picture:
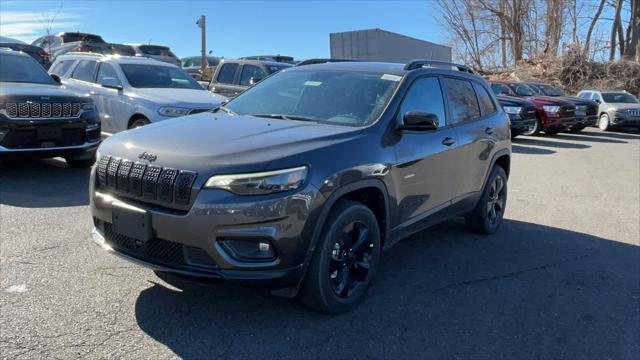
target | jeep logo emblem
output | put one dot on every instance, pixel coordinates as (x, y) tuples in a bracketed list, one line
[(146, 156)]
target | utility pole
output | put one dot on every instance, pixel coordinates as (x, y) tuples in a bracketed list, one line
[(202, 24)]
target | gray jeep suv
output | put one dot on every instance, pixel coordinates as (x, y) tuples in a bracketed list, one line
[(303, 179)]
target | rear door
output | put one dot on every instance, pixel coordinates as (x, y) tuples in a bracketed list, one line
[(478, 122), (424, 158)]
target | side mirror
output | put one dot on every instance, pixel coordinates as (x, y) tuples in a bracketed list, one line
[(56, 78), (111, 83), (254, 80), (598, 101), (419, 121)]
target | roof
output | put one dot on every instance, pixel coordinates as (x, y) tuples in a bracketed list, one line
[(151, 45), (7, 51), (264, 62), (377, 67), (391, 33), (118, 59)]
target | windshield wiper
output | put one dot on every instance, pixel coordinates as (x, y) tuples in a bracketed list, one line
[(284, 117), (225, 110)]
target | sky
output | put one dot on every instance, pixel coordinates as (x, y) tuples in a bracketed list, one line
[(234, 28)]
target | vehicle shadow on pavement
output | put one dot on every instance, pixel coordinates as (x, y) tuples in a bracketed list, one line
[(528, 291), (618, 134), (548, 143), (597, 139), (531, 150), (43, 184)]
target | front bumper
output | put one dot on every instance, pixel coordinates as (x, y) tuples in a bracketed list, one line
[(558, 123), (520, 126), (625, 121), (584, 121), (193, 243)]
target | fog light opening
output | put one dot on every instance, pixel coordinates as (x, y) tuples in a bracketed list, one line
[(249, 249)]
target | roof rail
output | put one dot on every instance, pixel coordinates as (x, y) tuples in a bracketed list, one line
[(83, 53), (415, 64), (314, 61)]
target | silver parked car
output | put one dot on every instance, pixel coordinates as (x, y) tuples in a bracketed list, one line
[(132, 91), (617, 108)]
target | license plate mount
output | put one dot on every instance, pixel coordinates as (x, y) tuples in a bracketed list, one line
[(132, 222), (49, 132)]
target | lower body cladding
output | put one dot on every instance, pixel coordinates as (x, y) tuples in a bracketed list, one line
[(262, 239), (584, 121), (44, 138)]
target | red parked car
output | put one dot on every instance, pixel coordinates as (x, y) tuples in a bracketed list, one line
[(554, 114), (586, 110)]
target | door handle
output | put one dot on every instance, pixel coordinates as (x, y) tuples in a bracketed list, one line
[(448, 141), (489, 130)]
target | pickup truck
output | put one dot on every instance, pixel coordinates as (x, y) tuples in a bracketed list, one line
[(235, 76)]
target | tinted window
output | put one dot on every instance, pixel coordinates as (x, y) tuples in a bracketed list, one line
[(338, 97), (61, 67), (158, 76), (212, 61), (23, 69), (500, 89), (85, 70), (275, 68), (487, 106), (425, 95), (227, 73), (250, 71), (106, 71), (596, 96), (156, 50), (462, 98), (550, 90), (88, 38), (624, 98), (585, 95), (522, 89)]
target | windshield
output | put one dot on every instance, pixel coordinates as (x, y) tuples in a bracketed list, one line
[(339, 97), (275, 68), (23, 69), (623, 98), (522, 90), (550, 90), (158, 76)]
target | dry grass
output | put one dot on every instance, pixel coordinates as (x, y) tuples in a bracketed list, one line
[(573, 73)]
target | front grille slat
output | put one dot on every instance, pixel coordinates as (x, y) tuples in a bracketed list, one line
[(155, 249), (150, 182), (37, 110)]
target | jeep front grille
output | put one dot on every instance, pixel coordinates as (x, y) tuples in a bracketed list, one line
[(147, 182), (34, 110), (633, 112)]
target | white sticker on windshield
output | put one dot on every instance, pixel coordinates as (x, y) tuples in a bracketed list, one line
[(312, 83), (391, 77)]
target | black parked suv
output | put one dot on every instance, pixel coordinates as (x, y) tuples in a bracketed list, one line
[(522, 114), (235, 76), (303, 179), (39, 118)]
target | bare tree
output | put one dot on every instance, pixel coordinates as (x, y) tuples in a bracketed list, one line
[(632, 51), (554, 24), (614, 29), (592, 25)]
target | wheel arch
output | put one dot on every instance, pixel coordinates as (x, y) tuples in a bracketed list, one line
[(135, 117)]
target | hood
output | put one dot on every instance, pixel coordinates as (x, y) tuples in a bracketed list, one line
[(550, 100), (621, 106), (190, 98), (577, 100), (35, 90), (208, 142), (505, 100)]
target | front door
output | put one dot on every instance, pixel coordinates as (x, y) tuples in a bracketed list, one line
[(424, 158)]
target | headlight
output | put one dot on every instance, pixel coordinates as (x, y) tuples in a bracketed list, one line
[(260, 183), (88, 106), (515, 110), (551, 108), (173, 111)]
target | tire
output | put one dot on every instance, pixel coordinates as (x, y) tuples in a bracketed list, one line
[(536, 128), (139, 123), (340, 271), (487, 215), (603, 122), (81, 163)]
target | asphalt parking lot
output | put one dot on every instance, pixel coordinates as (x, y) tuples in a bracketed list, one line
[(561, 279)]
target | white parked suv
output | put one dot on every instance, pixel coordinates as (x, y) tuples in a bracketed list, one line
[(133, 91)]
